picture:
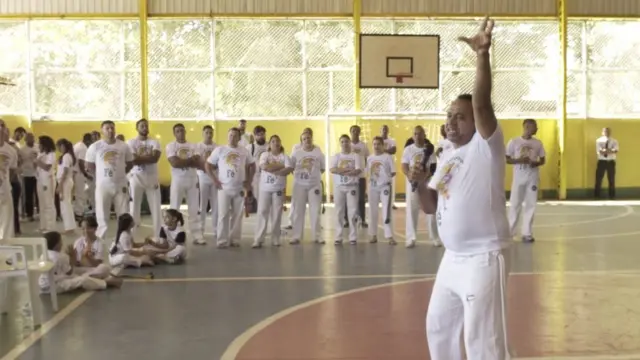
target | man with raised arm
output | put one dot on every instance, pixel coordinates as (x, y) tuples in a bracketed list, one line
[(467, 195)]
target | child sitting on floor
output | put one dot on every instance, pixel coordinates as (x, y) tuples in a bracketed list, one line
[(63, 275), (126, 252), (169, 247), (89, 251)]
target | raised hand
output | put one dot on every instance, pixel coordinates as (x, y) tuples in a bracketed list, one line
[(480, 42)]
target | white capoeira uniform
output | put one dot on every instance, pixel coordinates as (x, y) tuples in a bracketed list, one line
[(79, 180), (119, 256), (46, 193), (271, 198), (65, 282), (307, 189), (388, 144), (412, 156), (470, 289), (184, 185), (144, 180), (208, 190), (231, 163), (175, 240), (8, 162), (112, 186), (345, 194), (101, 271), (256, 151), (381, 170), (526, 179), (66, 182)]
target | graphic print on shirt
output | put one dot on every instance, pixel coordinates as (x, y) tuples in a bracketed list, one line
[(4, 168), (110, 159), (525, 152), (232, 160), (306, 167), (271, 178), (346, 164), (448, 172), (374, 172)]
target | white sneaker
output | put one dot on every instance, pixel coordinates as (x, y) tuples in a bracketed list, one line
[(410, 244), (436, 242), (200, 242)]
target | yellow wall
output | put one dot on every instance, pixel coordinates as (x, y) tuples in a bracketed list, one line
[(580, 157)]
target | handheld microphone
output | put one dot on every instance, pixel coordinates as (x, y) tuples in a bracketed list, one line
[(426, 155)]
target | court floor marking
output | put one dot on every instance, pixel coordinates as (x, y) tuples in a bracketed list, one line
[(36, 335)]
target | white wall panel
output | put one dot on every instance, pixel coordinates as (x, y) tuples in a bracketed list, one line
[(68, 7), (459, 7), (250, 7)]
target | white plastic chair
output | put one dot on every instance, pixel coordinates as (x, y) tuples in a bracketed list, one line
[(38, 263), (13, 263)]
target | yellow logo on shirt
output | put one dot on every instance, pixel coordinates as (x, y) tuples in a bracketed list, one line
[(183, 153), (448, 171), (525, 151), (232, 159), (307, 163), (375, 169), (346, 164), (144, 150), (110, 157)]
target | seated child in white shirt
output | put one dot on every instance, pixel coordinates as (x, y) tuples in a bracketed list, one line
[(170, 244), (89, 251), (126, 252), (63, 274)]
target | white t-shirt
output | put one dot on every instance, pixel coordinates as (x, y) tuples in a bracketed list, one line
[(245, 140), (519, 148), (610, 143), (61, 269), (389, 143), (256, 150), (413, 155), (82, 243), (351, 161), (381, 170), (308, 166), (123, 245), (232, 164), (80, 151), (471, 214), (110, 161), (363, 151), (8, 161), (445, 145), (28, 156), (44, 176), (268, 181), (145, 148), (205, 150), (183, 151), (173, 237), (67, 163)]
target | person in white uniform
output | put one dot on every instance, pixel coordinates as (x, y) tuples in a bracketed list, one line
[(360, 148), (346, 168), (235, 169), (8, 165), (143, 179), (255, 150), (296, 147), (184, 160), (109, 160), (28, 154), (412, 158), (81, 176), (467, 194), (607, 151), (245, 137), (169, 245), (526, 154), (45, 164), (208, 190), (381, 171), (64, 176), (390, 148), (275, 165), (309, 164), (90, 255)]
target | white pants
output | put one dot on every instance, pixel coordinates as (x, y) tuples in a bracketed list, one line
[(126, 260), (376, 196), (179, 252), (470, 294), (303, 195), (413, 213), (101, 271), (140, 185), (80, 202), (230, 213), (66, 206), (85, 282), (208, 195), (188, 189), (7, 230), (89, 193), (269, 207), (107, 195), (523, 192), (346, 200), (46, 204)]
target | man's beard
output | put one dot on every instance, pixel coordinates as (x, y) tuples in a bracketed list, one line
[(261, 142)]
